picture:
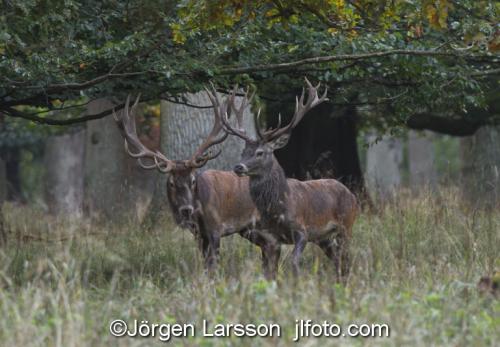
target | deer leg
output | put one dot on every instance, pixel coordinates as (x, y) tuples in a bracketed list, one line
[(271, 253), (337, 251), (300, 243), (343, 254), (273, 268), (270, 249), (204, 246), (213, 252), (329, 248), (209, 246), (203, 243)]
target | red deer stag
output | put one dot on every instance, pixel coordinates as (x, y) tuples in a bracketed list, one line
[(294, 212), (213, 204)]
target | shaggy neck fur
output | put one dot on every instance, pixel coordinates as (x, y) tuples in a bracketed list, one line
[(268, 192)]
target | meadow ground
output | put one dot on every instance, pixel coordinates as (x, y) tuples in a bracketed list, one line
[(415, 268)]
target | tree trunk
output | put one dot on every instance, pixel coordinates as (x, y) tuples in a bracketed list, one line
[(3, 197), (12, 158), (64, 157), (421, 161), (187, 128), (159, 200), (480, 156), (383, 160), (116, 187), (3, 182), (105, 166)]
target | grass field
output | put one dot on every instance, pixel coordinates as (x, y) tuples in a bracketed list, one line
[(415, 268)]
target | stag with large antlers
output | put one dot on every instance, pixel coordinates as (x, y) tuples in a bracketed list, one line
[(294, 212), (213, 204)]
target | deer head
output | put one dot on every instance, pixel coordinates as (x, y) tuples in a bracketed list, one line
[(257, 157), (181, 182)]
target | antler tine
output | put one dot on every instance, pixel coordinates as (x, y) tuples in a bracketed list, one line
[(299, 101), (301, 108), (132, 111), (129, 123), (123, 122), (228, 128), (312, 101), (256, 120), (244, 104), (203, 153), (126, 124), (270, 132)]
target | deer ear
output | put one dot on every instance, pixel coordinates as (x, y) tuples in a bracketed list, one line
[(280, 142)]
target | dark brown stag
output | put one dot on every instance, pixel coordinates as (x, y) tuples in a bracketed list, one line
[(319, 211), (212, 204)]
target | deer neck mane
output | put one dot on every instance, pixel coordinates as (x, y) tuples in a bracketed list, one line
[(268, 192)]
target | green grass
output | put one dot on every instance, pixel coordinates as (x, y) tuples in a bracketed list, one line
[(415, 268)]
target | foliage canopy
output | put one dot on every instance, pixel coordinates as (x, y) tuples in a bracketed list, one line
[(416, 58)]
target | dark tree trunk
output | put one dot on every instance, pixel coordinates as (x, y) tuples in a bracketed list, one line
[(3, 196), (3, 182), (12, 158), (324, 145)]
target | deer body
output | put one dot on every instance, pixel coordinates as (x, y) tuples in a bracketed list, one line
[(294, 212), (319, 207), (224, 207), (320, 211), (224, 202), (212, 204)]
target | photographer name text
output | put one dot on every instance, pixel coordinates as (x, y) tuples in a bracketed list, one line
[(302, 329)]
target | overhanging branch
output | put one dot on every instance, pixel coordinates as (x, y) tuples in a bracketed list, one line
[(51, 121), (444, 125), (7, 107), (485, 73), (342, 57)]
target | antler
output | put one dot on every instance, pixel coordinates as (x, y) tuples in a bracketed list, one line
[(126, 124), (204, 153), (238, 111), (301, 109)]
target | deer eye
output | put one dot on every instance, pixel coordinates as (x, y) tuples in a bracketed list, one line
[(259, 153), (193, 181), (171, 184)]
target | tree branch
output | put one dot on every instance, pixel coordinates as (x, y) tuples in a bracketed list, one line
[(51, 121), (485, 73), (75, 86), (185, 103), (54, 88), (444, 125), (340, 57)]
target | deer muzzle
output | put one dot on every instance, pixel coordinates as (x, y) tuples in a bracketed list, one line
[(186, 212), (240, 170)]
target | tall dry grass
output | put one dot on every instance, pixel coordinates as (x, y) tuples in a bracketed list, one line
[(415, 268)]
